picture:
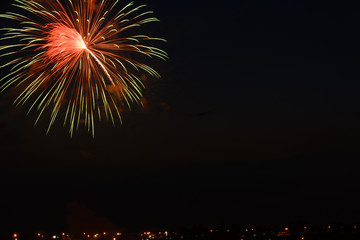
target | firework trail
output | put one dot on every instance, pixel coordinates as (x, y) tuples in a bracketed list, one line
[(71, 54)]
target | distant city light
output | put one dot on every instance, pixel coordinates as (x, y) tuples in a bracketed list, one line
[(250, 233)]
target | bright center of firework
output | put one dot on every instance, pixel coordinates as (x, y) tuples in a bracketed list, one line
[(64, 43), (83, 44)]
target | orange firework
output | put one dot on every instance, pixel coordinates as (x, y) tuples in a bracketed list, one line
[(73, 54)]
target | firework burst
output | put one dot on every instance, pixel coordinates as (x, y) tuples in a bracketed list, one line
[(71, 54)]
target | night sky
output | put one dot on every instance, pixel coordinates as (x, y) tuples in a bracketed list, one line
[(255, 120)]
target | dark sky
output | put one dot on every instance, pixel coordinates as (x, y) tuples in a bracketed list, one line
[(263, 127)]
